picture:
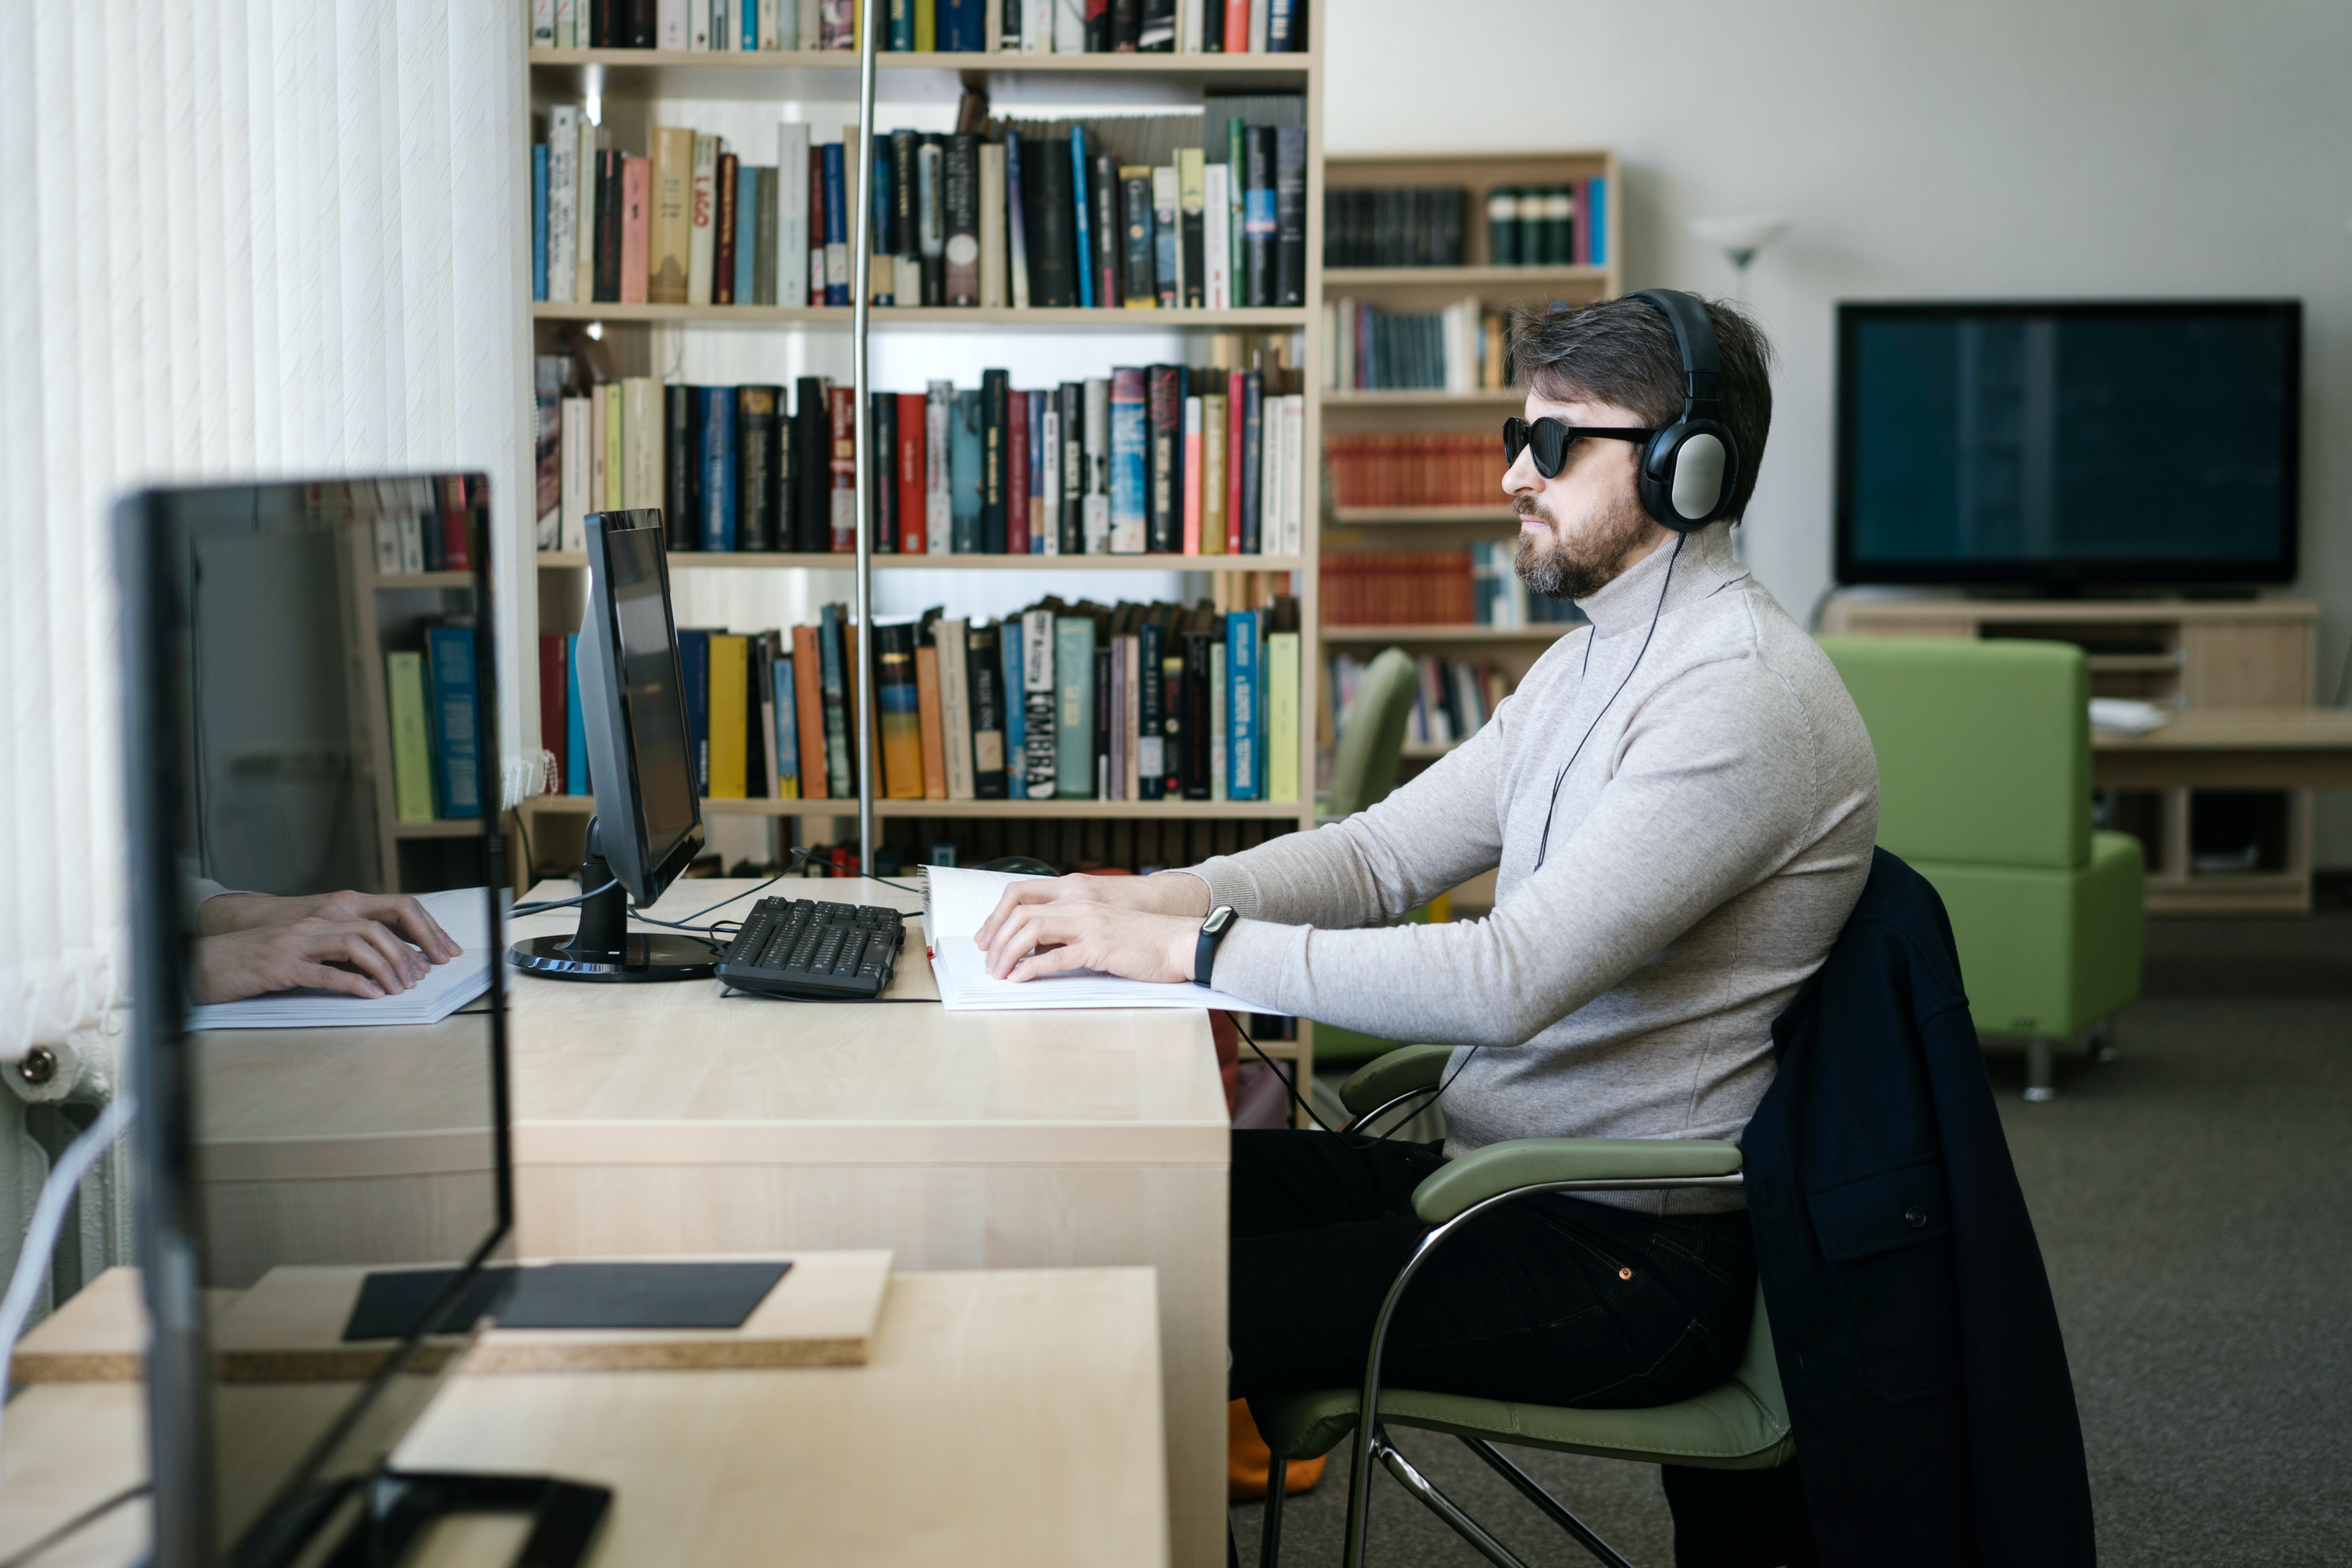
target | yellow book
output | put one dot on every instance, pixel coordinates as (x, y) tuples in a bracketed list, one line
[(411, 743), (1282, 716), (731, 719), (671, 230), (617, 446), (927, 26), (641, 433)]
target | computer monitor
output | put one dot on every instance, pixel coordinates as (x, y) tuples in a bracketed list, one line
[(309, 692), (641, 767)]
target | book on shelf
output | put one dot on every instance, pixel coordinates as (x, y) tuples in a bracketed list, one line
[(1149, 212), (957, 27), (427, 525), (1415, 471), (1548, 226), (1461, 347), (453, 700), (1452, 697), (1473, 585), (1414, 225), (412, 741)]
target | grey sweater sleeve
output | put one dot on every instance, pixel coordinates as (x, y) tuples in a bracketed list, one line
[(1710, 792)]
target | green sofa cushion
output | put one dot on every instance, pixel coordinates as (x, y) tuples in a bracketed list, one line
[(2046, 954), (1984, 747), (1741, 1425)]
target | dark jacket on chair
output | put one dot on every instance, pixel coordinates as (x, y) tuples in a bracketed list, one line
[(1927, 1381)]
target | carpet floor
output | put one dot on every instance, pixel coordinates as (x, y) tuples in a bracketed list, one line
[(2194, 1211)]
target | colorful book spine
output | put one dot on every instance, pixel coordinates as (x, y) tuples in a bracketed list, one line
[(1015, 697), (1083, 223), (1193, 475), (836, 227), (717, 444), (787, 782), (539, 213), (1242, 694), (575, 727), (1281, 740), (896, 696), (457, 734), (728, 726), (412, 737), (1073, 717), (1037, 702), (1128, 461)]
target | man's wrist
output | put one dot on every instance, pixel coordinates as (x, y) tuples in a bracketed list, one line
[(1186, 893)]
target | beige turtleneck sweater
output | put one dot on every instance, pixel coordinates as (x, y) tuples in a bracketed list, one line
[(1705, 851)]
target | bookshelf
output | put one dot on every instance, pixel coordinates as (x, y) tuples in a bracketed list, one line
[(1477, 411)]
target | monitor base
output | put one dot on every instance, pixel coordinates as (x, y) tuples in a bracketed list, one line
[(642, 957)]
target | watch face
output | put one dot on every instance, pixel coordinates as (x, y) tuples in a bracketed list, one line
[(1219, 919)]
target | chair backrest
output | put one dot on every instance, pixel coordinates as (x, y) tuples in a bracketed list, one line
[(1372, 743), (1984, 747)]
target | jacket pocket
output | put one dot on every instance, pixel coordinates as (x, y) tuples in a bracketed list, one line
[(1887, 1236)]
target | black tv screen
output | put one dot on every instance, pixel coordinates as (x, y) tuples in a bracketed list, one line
[(2068, 443)]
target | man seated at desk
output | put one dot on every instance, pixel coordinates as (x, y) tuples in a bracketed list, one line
[(360, 945), (1680, 800)]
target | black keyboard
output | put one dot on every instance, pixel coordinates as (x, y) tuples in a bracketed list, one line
[(815, 951)]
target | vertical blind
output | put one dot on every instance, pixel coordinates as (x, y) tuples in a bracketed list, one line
[(242, 237)]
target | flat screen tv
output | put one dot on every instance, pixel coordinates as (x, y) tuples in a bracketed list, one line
[(2068, 444)]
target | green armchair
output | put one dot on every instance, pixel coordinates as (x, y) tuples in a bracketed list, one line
[(1984, 787)]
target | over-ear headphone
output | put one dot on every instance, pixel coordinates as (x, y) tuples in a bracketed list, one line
[(1690, 469)]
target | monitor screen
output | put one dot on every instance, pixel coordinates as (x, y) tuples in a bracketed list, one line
[(311, 749), (656, 708), (2091, 441)]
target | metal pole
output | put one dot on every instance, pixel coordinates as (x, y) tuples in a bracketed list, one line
[(861, 268)]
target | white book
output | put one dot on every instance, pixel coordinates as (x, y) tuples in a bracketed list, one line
[(1269, 477), (542, 24), (811, 23), (641, 433), (412, 544), (669, 24), (1187, 24), (772, 26), (567, 23), (1216, 236), (1069, 26), (1294, 474), (723, 24), (387, 546), (702, 206), (938, 502), (1036, 26), (992, 265), (573, 535), (599, 412), (1050, 486), (955, 705), (1258, 11), (697, 24), (792, 214), (562, 201), (583, 216)]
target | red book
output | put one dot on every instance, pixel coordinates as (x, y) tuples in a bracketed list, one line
[(1017, 474), (552, 690), (456, 530), (913, 410), (722, 223), (637, 202), (1234, 440), (815, 227), (841, 406), (1237, 27)]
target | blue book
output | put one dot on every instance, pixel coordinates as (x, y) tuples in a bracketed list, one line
[(786, 784), (456, 745), (836, 222), (901, 37), (694, 665), (1080, 206), (750, 9), (1277, 28), (539, 221), (962, 26), (747, 227), (717, 444), (1016, 725), (575, 734), (884, 277), (963, 472), (1243, 767), (1129, 448), (1596, 225)]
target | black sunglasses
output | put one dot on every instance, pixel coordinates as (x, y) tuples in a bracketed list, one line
[(1551, 439)]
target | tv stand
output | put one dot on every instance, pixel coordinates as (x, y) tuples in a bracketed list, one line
[(2200, 654)]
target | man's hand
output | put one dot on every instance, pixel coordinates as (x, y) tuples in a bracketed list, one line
[(1161, 893), (357, 957), (1047, 936), (390, 912)]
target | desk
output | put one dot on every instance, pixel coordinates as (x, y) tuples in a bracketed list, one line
[(1004, 1418), (658, 1120)]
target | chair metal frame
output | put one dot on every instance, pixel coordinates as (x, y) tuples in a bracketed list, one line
[(1371, 1440)]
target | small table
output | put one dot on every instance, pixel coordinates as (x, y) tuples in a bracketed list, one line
[(1005, 1417), (2232, 748)]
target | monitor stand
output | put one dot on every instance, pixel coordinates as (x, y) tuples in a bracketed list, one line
[(604, 948)]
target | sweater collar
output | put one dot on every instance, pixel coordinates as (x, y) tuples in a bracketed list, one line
[(1706, 563)]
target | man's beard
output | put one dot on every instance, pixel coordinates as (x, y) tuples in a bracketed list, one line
[(1559, 570)]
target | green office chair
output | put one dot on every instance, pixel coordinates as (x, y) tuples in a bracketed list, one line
[(1984, 787), (1364, 769), (1742, 1425)]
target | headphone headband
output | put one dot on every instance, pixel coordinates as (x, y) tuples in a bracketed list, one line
[(1695, 337)]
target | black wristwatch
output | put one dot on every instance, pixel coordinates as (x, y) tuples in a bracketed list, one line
[(1212, 932)]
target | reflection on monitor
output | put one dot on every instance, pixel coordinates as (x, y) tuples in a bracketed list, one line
[(310, 745)]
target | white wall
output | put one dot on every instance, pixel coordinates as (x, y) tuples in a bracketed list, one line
[(1999, 147)]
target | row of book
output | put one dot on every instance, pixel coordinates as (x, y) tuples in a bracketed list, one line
[(1058, 702), (1049, 214), (1475, 584), (1160, 459), (1460, 348), (1452, 700), (961, 27), (431, 701), (1412, 225), (425, 524), (1550, 225), (1450, 469)]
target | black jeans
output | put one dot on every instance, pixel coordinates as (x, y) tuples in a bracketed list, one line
[(1549, 1299)]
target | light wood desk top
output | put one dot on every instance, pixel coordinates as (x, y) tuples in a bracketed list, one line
[(2225, 748), (1006, 1417), (671, 1072)]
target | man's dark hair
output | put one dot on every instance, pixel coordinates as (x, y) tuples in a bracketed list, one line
[(1623, 352)]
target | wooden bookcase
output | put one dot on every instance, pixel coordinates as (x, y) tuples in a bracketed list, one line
[(2253, 654), (634, 88), (1348, 412)]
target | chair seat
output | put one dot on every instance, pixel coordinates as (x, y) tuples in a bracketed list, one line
[(1740, 1424)]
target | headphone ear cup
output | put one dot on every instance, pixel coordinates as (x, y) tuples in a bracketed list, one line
[(1687, 474)]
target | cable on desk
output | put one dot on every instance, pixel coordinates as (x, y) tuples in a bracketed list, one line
[(546, 904), (77, 1523)]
